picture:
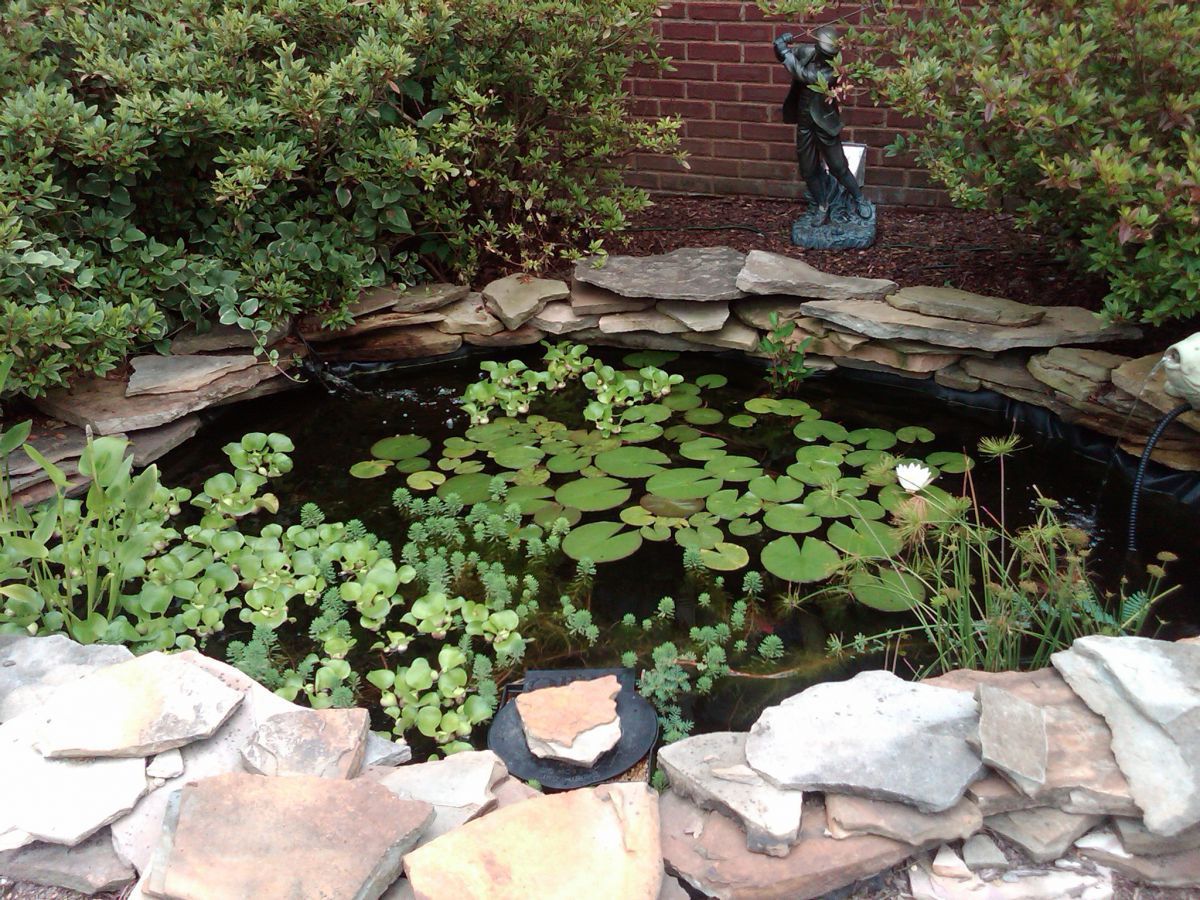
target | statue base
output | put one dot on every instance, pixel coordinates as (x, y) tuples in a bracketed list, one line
[(844, 228)]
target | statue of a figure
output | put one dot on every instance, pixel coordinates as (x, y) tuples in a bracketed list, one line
[(838, 215)]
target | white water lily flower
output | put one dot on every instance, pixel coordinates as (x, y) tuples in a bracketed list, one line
[(914, 476)]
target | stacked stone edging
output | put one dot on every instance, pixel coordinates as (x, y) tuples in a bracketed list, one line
[(690, 300)]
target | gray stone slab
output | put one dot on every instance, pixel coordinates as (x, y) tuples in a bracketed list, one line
[(1171, 870), (981, 852), (1149, 694), (383, 752), (711, 770), (152, 444), (517, 337), (1135, 379), (733, 335), (89, 867), (872, 736), (858, 815), (1136, 838), (32, 668), (314, 333), (637, 340), (1012, 737), (560, 317), (469, 316), (460, 787), (324, 743), (515, 299), (772, 273), (646, 320), (426, 297), (700, 274), (415, 342), (952, 303), (589, 300), (1061, 325), (710, 316), (56, 441), (1044, 833), (221, 337), (157, 374), (1023, 885)]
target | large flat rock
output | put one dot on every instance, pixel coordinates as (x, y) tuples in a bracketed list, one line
[(952, 303), (1012, 737), (595, 842), (560, 317), (772, 273), (89, 867), (576, 723), (849, 816), (426, 297), (219, 337), (646, 320), (637, 340), (1137, 838), (515, 299), (708, 851), (181, 374), (1174, 870), (709, 316), (1135, 379), (518, 337), (314, 333), (711, 770), (733, 335), (873, 736), (469, 316), (102, 404), (1044, 833), (1061, 325), (460, 787), (32, 668), (1082, 775), (1025, 885), (1149, 694), (152, 444), (589, 300), (137, 708), (325, 743), (700, 274), (415, 342), (241, 835)]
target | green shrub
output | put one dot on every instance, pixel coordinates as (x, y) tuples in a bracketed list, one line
[(192, 160), (1080, 115)]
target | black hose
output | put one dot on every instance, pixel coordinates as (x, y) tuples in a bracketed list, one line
[(1141, 469)]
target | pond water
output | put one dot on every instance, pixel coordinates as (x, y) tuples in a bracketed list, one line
[(332, 434)]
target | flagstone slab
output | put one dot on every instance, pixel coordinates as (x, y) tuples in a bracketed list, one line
[(1026, 885), (32, 668), (156, 374), (469, 316), (710, 316), (102, 404), (1174, 870), (168, 764), (981, 852), (1012, 737), (415, 342), (589, 300), (460, 787), (849, 816), (89, 867), (381, 751), (152, 444), (646, 320), (325, 743), (1061, 325), (1044, 833), (575, 723), (222, 337), (1135, 379), (1136, 838), (636, 340), (711, 770), (517, 337), (876, 736), (137, 708), (773, 273), (733, 335), (315, 333), (56, 441), (1082, 775), (757, 311), (595, 842), (560, 317), (708, 851), (242, 835), (515, 299), (427, 297), (700, 274), (953, 303)]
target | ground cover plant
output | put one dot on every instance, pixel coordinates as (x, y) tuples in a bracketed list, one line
[(170, 162), (1078, 116)]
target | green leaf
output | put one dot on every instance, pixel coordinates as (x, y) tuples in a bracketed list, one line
[(601, 542), (741, 420), (890, 591), (518, 457), (783, 489), (703, 415), (470, 489), (425, 481), (632, 462), (725, 557), (911, 434), (370, 468), (872, 438), (950, 462), (814, 561), (732, 504), (593, 494), (13, 438), (400, 446), (733, 468), (702, 448), (792, 518), (815, 429), (547, 515), (744, 527), (865, 540), (683, 484)]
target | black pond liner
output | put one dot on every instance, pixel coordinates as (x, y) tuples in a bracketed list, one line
[(639, 732)]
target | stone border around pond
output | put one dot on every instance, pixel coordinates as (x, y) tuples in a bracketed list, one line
[(703, 299), (177, 771)]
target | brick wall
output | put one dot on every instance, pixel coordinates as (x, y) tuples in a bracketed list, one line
[(728, 88)]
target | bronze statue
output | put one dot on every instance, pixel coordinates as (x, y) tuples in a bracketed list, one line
[(838, 215)]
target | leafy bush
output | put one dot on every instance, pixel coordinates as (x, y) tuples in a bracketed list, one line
[(1080, 116), (201, 160)]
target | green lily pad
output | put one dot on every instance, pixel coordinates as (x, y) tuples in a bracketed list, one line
[(497, 428), (890, 591), (702, 448), (637, 516), (426, 480), (837, 506), (872, 438), (744, 527), (671, 507), (370, 468), (547, 515), (814, 475), (702, 538), (761, 405), (783, 489), (704, 517), (680, 401), (792, 518), (734, 468), (644, 358), (413, 464), (815, 560), (865, 540), (641, 433), (650, 413), (732, 504), (793, 408), (535, 475), (659, 531), (601, 542), (725, 557), (815, 429), (683, 484), (864, 458), (912, 434), (712, 381), (820, 454), (471, 489), (741, 420), (400, 446), (529, 497), (703, 415), (564, 463), (520, 456), (632, 462), (950, 462), (852, 487), (458, 447), (681, 434), (593, 494)]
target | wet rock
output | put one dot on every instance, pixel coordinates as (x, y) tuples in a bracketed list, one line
[(873, 736), (1049, 885), (1073, 371), (1137, 838), (560, 317), (469, 316), (881, 353), (151, 444), (733, 335), (1045, 833), (89, 867), (222, 337), (1012, 737), (240, 835), (708, 851), (711, 770), (646, 320), (518, 337), (417, 342), (701, 274), (589, 300), (1061, 325), (1135, 379), (56, 441), (135, 708), (981, 852), (516, 299), (426, 297), (1149, 694), (315, 333), (636, 340), (952, 303), (178, 374), (771, 273), (709, 316), (956, 378), (595, 842), (102, 404), (1179, 870), (326, 743), (460, 787), (857, 815), (32, 668), (575, 723), (381, 751)]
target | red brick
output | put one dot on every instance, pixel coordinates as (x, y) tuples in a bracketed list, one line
[(785, 150), (725, 12), (728, 130), (696, 146), (739, 150), (752, 131), (764, 93), (863, 116), (652, 162), (883, 175), (691, 71), (647, 180), (904, 123), (673, 11), (745, 32), (742, 112), (644, 107), (760, 52), (673, 49), (779, 75), (749, 168), (711, 90), (711, 166), (689, 31), (686, 109), (657, 87), (686, 184), (727, 52), (752, 73)]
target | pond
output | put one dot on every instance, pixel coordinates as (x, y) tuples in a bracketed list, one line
[(725, 440)]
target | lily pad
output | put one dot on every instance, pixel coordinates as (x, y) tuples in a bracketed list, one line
[(816, 429), (426, 480), (645, 358), (744, 527), (564, 463), (370, 468), (671, 507), (703, 448), (529, 497), (734, 468), (413, 464), (632, 462), (593, 494), (872, 438), (547, 515), (725, 557), (865, 540), (400, 446), (890, 591), (864, 458), (683, 484), (535, 475), (712, 381), (814, 475), (637, 516), (792, 518), (783, 489), (741, 420), (761, 405), (702, 538), (601, 542), (471, 489), (791, 407), (518, 457), (815, 560), (641, 433), (680, 401), (820, 454), (458, 448), (681, 434), (732, 504), (659, 531), (912, 434), (950, 461), (650, 413), (703, 415)]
